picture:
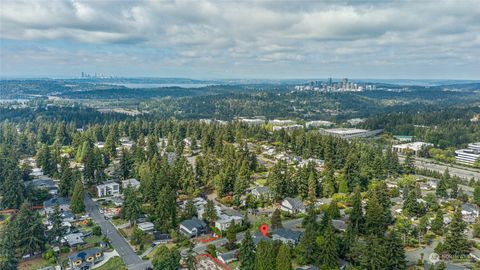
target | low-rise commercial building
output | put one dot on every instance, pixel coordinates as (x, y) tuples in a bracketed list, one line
[(414, 147), (469, 155), (350, 133)]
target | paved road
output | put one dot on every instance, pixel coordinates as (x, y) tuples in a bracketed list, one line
[(130, 258), (455, 170)]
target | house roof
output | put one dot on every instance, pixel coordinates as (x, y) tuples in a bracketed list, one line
[(56, 201), (67, 215), (339, 224), (132, 181), (42, 183), (145, 225), (295, 203), (227, 256), (469, 207), (107, 183), (257, 237), (74, 238), (161, 236), (193, 223), (288, 234), (83, 254), (261, 190)]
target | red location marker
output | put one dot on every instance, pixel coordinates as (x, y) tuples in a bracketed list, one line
[(264, 229)]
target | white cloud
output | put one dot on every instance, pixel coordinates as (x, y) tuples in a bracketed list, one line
[(208, 33)]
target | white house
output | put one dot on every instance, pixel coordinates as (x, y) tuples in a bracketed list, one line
[(146, 226), (108, 188), (131, 182), (224, 221), (292, 206)]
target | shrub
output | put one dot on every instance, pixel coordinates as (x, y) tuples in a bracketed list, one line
[(97, 230)]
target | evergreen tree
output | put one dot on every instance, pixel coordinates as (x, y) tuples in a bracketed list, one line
[(356, 219), (57, 231), (454, 192), (242, 180), (441, 190), (231, 236), (77, 205), (66, 177), (333, 211), (437, 223), (410, 204), (110, 145), (12, 190), (190, 209), (46, 161), (210, 215), (247, 252), (131, 209), (373, 255), (310, 217), (395, 253), (276, 220), (264, 258), (328, 245), (166, 209), (307, 249), (375, 220), (30, 237), (456, 242), (278, 180), (126, 164), (284, 258), (409, 163), (166, 259), (312, 187), (476, 194), (8, 240)]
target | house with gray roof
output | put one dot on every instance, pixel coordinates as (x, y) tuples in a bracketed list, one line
[(228, 257), (193, 227), (257, 237), (287, 236), (43, 183), (85, 259), (293, 206), (259, 191), (74, 239), (49, 205)]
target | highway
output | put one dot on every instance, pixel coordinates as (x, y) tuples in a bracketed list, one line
[(130, 258), (454, 170)]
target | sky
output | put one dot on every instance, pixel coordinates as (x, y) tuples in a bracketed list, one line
[(271, 39)]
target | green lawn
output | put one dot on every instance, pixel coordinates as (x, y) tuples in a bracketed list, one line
[(114, 263), (93, 239)]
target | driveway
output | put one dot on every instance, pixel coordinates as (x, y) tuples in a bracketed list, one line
[(130, 258)]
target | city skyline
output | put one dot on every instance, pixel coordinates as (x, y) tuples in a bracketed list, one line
[(248, 39)]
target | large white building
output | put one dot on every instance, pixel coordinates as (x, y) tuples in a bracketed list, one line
[(469, 155), (348, 133), (319, 123), (413, 147)]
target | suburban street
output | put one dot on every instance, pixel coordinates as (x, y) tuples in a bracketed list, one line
[(130, 258)]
